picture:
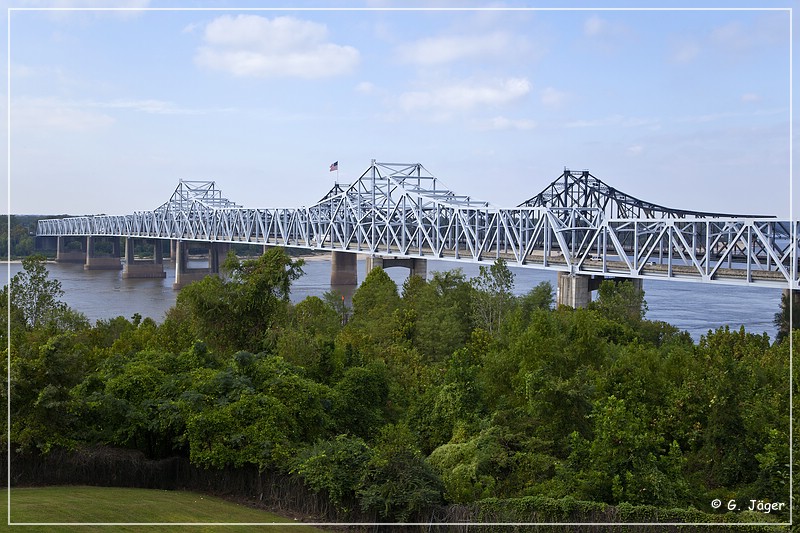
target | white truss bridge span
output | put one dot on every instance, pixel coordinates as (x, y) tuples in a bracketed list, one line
[(577, 225)]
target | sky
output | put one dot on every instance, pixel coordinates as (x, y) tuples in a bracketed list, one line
[(109, 110)]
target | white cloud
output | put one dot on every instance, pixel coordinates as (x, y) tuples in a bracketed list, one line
[(24, 71), (64, 10), (725, 115), (615, 120), (552, 97), (156, 107), (467, 95), (250, 45), (606, 36), (597, 27), (43, 114), (365, 87), (737, 38), (683, 51), (504, 123), (635, 149), (67, 4), (191, 27), (594, 26), (732, 36), (447, 49), (87, 115), (751, 97)]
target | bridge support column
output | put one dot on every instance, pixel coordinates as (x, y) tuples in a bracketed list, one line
[(344, 269), (45, 243), (418, 267), (143, 269), (638, 283), (576, 290), (185, 275), (102, 261), (217, 252), (795, 295), (64, 253), (573, 290)]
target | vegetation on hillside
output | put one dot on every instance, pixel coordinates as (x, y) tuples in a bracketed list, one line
[(442, 392), (18, 236)]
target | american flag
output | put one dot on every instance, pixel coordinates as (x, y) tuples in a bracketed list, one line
[(334, 166)]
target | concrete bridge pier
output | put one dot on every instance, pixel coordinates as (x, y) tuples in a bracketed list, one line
[(418, 267), (102, 261), (575, 290), (143, 268), (344, 269), (65, 255), (184, 275), (42, 243)]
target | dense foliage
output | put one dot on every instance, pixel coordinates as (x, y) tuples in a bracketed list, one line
[(447, 391), (17, 235)]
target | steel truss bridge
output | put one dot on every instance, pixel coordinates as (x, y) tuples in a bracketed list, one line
[(577, 225)]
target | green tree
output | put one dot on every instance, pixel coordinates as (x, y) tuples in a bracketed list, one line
[(42, 376), (136, 399), (316, 317), (620, 301), (336, 301), (374, 306), (21, 234), (35, 295), (493, 297), (335, 466), (308, 341), (399, 484), (243, 312), (360, 400), (625, 460), (255, 409), (549, 371), (48, 357), (377, 295), (254, 429), (539, 297), (455, 404), (437, 314), (734, 365), (470, 470), (782, 317)]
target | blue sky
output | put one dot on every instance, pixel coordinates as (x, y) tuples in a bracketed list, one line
[(689, 109)]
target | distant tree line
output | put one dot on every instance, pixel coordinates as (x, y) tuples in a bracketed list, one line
[(19, 236), (448, 397)]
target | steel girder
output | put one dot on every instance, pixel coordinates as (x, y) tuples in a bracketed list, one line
[(401, 210), (732, 250), (581, 189)]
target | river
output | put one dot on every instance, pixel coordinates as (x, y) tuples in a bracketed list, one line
[(693, 307)]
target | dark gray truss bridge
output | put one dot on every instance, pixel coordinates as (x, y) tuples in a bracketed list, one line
[(581, 189)]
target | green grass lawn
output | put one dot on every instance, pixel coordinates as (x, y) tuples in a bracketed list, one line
[(69, 504)]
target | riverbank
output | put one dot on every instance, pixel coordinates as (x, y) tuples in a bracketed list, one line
[(693, 307)]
